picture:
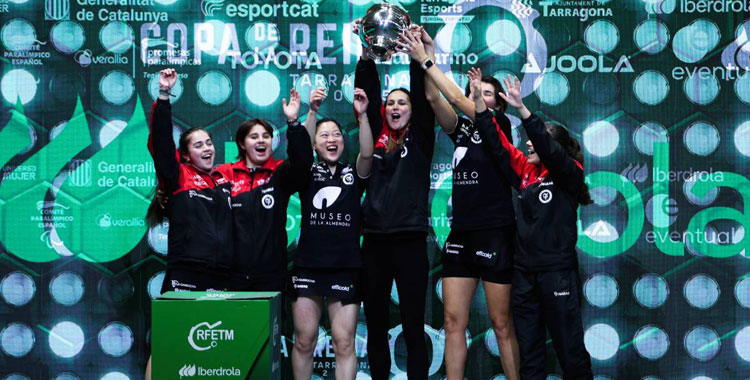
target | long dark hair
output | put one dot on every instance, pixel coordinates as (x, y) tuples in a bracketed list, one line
[(244, 130), (156, 211), (502, 105), (571, 145)]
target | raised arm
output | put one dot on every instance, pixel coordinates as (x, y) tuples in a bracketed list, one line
[(420, 47), (160, 142), (298, 149), (497, 146), (366, 77), (366, 144), (452, 93), (317, 96), (553, 156)]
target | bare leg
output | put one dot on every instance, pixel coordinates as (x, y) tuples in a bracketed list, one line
[(306, 312), (457, 295), (343, 328), (498, 307)]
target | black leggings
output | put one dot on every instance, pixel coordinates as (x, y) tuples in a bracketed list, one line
[(403, 257)]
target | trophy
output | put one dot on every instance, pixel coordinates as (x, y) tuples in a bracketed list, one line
[(380, 28)]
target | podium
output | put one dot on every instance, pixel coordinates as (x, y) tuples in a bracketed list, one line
[(216, 335)]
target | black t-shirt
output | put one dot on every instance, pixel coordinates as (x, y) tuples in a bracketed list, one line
[(331, 218), (481, 193)]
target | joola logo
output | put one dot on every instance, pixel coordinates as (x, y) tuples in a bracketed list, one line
[(584, 64)]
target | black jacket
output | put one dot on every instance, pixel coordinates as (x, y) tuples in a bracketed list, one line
[(547, 211), (199, 209), (482, 196), (399, 182), (259, 201)]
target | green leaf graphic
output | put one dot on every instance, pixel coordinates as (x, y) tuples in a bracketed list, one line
[(27, 219)]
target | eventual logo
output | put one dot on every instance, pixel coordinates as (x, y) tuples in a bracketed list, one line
[(348, 179), (267, 201), (326, 197), (209, 7), (545, 196), (205, 336), (187, 371)]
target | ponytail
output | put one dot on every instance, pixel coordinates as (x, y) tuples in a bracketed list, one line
[(573, 148)]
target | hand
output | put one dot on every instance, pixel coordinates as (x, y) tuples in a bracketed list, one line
[(167, 79), (356, 25), (317, 96), (427, 41), (162, 198), (475, 83), (412, 46), (513, 92), (291, 109), (360, 101)]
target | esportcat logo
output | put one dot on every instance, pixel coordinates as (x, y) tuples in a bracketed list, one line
[(205, 336)]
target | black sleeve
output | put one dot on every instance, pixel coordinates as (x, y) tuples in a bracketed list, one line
[(422, 115), (561, 166), (504, 123), (296, 169), (162, 145), (495, 149), (461, 122), (366, 77)]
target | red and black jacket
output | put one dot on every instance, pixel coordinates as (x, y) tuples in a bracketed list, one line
[(259, 201), (547, 210), (399, 182), (199, 206)]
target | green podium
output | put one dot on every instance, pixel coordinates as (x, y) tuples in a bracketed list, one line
[(216, 335)]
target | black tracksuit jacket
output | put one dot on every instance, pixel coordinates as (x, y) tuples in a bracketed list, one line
[(259, 201), (547, 210), (199, 209), (399, 182)]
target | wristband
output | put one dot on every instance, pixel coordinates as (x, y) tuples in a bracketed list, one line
[(427, 64)]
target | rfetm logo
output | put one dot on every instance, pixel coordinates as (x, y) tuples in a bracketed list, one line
[(326, 197), (187, 371), (205, 336), (209, 7)]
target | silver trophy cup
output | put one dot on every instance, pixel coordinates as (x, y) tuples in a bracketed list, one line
[(380, 28)]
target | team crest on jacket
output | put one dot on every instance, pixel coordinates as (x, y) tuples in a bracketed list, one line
[(476, 138), (348, 179), (545, 196), (267, 201)]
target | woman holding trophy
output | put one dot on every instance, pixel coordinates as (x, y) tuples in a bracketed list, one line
[(395, 212), (480, 245)]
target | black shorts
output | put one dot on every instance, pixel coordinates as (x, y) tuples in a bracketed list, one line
[(322, 282), (274, 282), (485, 254), (185, 280)]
